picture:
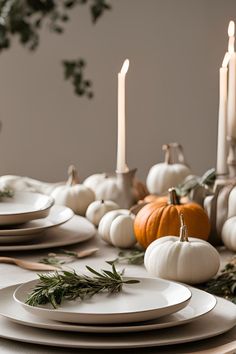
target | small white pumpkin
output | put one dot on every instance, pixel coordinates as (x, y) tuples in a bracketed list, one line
[(97, 209), (95, 180), (117, 228), (188, 260), (73, 195), (164, 175), (228, 233)]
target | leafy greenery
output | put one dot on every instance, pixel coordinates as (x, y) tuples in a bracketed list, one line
[(25, 18), (224, 285), (54, 288), (206, 181), (6, 193), (58, 259), (132, 256)]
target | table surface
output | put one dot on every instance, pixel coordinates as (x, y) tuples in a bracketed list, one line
[(10, 274)]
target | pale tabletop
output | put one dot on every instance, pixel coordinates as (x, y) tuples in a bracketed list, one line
[(10, 274)]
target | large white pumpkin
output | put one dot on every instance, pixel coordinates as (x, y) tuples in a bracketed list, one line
[(188, 260), (164, 175), (117, 228)]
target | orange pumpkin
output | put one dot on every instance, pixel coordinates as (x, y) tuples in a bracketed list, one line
[(161, 218)]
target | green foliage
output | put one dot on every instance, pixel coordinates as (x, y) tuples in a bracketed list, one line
[(224, 284), (54, 288), (24, 19)]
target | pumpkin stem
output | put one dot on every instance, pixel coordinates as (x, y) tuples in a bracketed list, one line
[(102, 201), (72, 176), (183, 236), (166, 148), (173, 197)]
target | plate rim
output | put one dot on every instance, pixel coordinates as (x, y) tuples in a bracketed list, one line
[(47, 206), (76, 340), (123, 328), (111, 315), (38, 229), (52, 241)]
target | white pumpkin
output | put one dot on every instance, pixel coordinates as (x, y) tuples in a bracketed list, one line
[(164, 175), (229, 233), (73, 195), (122, 188), (188, 260), (219, 208), (117, 228), (97, 209), (95, 180)]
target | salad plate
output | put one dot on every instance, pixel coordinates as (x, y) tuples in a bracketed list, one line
[(77, 229), (220, 320), (200, 304), (150, 298), (58, 215), (23, 207)]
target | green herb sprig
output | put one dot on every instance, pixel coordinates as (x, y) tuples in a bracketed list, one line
[(6, 193), (132, 256), (224, 285), (59, 286)]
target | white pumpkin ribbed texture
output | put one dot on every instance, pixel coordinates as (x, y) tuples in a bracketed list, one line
[(192, 262), (98, 209), (162, 176), (117, 228), (229, 233), (77, 197)]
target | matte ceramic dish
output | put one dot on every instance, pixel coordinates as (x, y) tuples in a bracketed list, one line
[(150, 298), (200, 304), (23, 207)]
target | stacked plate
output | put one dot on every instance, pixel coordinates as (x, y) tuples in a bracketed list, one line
[(161, 311), (32, 221)]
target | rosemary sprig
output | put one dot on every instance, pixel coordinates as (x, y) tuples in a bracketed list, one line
[(132, 256), (224, 285), (54, 288)]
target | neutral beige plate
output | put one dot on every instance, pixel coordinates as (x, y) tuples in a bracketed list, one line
[(200, 304), (221, 319), (58, 215), (150, 298), (23, 207), (77, 229)]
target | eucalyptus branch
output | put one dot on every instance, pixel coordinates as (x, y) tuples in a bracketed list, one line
[(133, 256), (54, 288), (206, 181), (224, 285)]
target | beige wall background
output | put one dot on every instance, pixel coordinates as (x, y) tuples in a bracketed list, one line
[(175, 49)]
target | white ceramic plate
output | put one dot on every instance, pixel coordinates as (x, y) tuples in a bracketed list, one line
[(146, 300), (221, 319), (77, 229), (200, 304), (23, 207), (58, 215)]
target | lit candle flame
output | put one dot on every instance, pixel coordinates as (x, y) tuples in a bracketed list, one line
[(226, 60), (125, 67), (231, 31)]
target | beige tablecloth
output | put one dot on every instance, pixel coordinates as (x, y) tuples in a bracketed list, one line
[(10, 274)]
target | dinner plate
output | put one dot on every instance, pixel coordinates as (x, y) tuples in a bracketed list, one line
[(221, 319), (200, 304), (58, 215), (77, 229), (23, 207), (150, 298)]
